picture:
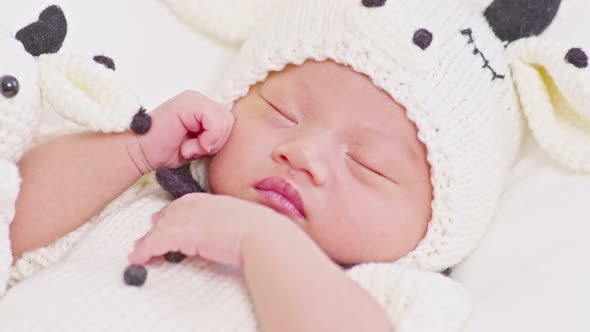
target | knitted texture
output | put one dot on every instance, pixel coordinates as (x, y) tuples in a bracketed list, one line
[(467, 118), (71, 83), (456, 78), (19, 120), (19, 115), (555, 97), (33, 261), (78, 88), (85, 289)]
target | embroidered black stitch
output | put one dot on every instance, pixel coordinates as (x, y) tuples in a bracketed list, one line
[(486, 63)]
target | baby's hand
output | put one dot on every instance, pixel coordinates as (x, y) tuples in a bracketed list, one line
[(185, 127), (210, 226)]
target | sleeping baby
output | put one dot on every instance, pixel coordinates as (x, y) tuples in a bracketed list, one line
[(364, 154)]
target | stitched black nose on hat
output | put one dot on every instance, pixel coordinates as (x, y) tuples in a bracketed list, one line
[(515, 19)]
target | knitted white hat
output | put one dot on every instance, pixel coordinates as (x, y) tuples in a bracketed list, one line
[(462, 75)]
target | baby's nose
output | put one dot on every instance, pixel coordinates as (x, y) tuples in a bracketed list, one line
[(9, 86), (304, 155)]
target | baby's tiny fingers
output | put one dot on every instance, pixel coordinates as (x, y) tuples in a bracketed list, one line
[(152, 245), (217, 125), (192, 149)]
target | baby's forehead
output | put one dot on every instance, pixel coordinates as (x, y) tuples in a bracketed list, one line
[(327, 92), (332, 88)]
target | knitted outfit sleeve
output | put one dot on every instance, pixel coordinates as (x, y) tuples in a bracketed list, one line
[(415, 300)]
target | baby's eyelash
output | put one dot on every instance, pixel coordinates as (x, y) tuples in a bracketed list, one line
[(277, 110), (368, 168)]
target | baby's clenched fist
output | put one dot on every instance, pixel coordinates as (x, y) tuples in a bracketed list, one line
[(186, 127)]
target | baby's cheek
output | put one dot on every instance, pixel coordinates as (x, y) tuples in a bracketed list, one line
[(215, 174)]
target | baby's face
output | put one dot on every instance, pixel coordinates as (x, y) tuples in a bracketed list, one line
[(326, 134)]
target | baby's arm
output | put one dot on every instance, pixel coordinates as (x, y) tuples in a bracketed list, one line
[(294, 285), (70, 179)]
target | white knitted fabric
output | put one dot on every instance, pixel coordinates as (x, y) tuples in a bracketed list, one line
[(468, 117), (17, 122), (79, 89), (35, 260), (555, 97), (85, 290)]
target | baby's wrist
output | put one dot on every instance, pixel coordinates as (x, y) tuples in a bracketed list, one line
[(269, 236), (136, 153)]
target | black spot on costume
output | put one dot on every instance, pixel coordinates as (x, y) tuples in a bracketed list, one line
[(9, 86), (577, 57), (174, 257), (105, 61), (45, 35), (135, 275), (142, 122)]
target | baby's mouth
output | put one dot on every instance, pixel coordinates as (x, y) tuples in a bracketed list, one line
[(281, 196)]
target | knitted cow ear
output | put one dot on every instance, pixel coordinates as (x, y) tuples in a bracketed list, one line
[(555, 96), (86, 92), (515, 19), (230, 20), (47, 34)]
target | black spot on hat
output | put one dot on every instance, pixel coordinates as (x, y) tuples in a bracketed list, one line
[(142, 122), (422, 38), (105, 61), (515, 19), (374, 3), (577, 57), (45, 35)]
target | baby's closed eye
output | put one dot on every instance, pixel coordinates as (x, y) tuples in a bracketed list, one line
[(369, 166), (283, 113)]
